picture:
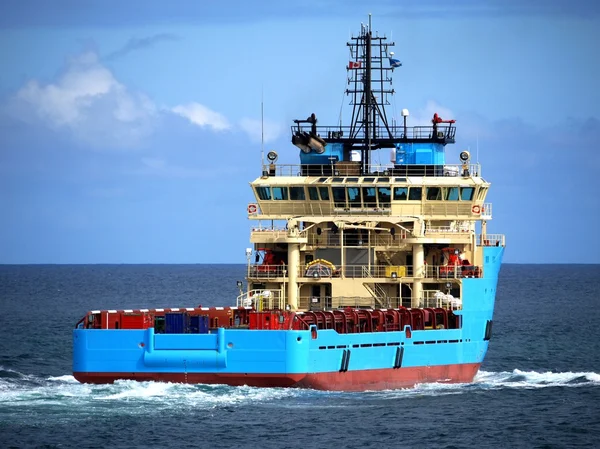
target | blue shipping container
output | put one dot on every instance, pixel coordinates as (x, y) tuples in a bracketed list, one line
[(176, 323), (199, 324)]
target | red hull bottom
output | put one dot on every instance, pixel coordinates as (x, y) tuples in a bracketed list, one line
[(381, 379)]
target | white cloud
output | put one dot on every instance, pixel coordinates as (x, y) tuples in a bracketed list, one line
[(88, 101), (90, 104), (255, 129), (64, 103), (202, 116)]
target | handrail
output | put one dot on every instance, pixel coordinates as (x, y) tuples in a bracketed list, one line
[(388, 170), (486, 211), (454, 229), (313, 208), (430, 298), (397, 132), (261, 299), (395, 272), (491, 240)]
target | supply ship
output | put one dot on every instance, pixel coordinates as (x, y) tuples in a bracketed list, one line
[(361, 276)]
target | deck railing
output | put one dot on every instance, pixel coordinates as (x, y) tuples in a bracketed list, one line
[(391, 272), (274, 299), (430, 298), (486, 211), (261, 299), (463, 229), (379, 171), (491, 240), (398, 132)]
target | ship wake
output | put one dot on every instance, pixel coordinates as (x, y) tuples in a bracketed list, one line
[(25, 390)]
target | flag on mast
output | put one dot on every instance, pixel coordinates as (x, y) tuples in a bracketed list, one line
[(395, 63), (354, 64)]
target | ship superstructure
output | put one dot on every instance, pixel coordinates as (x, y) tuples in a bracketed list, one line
[(361, 276)]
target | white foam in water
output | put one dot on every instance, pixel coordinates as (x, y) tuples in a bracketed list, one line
[(135, 390), (28, 390), (66, 378), (500, 380), (192, 395), (533, 379), (64, 391)]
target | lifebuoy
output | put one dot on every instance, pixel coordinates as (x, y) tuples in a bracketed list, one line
[(252, 208), (476, 209)]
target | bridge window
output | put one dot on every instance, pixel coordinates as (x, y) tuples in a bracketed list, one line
[(264, 193), (313, 194), (451, 194), (384, 195), (400, 193), (415, 194), (369, 196), (466, 193), (434, 193), (339, 196), (481, 193), (354, 197), (297, 193), (280, 193), (324, 192)]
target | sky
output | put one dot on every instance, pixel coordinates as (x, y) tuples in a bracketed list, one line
[(129, 131)]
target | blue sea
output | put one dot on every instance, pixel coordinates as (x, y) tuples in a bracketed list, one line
[(539, 386)]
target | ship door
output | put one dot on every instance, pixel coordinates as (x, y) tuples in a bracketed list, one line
[(405, 295), (409, 265), (315, 297), (327, 301)]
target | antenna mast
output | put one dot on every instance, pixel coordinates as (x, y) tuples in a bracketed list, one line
[(262, 129), (369, 91)]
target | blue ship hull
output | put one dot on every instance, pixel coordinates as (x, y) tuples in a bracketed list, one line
[(321, 359)]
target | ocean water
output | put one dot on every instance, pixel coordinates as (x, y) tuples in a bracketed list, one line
[(539, 386)]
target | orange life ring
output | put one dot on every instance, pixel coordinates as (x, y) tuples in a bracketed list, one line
[(252, 208), (476, 209)]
